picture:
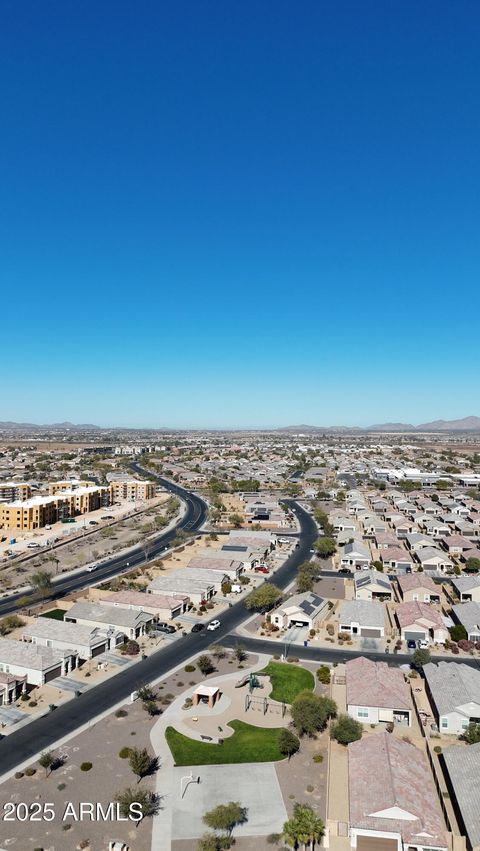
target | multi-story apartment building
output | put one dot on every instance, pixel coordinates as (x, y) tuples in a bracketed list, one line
[(132, 489), (73, 484), (41, 511), (10, 491)]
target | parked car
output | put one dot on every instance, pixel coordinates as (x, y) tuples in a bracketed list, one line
[(423, 644), (262, 568), (197, 627), (164, 627), (213, 625), (93, 522), (108, 517), (412, 645)]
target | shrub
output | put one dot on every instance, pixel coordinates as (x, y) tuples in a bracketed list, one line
[(33, 703), (124, 753), (323, 674), (346, 729), (437, 749), (121, 713), (30, 771), (24, 697), (189, 669), (464, 644), (86, 766), (19, 775), (318, 758)]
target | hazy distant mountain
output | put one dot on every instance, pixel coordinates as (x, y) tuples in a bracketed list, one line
[(391, 427), (59, 426), (465, 424)]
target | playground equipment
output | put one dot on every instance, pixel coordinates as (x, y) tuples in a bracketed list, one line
[(264, 705)]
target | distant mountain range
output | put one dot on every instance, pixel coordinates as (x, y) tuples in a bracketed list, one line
[(465, 424), (57, 426)]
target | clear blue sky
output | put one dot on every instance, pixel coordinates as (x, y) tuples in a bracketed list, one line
[(227, 214)]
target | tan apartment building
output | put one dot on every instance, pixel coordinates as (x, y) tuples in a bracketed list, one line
[(61, 487), (132, 489), (10, 491), (40, 511)]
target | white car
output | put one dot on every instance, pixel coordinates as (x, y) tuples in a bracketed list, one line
[(213, 625), (92, 568)]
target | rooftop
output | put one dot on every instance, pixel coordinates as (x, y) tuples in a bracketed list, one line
[(463, 766), (384, 773), (452, 685), (28, 655), (364, 612)]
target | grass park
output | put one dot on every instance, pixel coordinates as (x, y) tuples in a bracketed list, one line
[(248, 744), (288, 680)]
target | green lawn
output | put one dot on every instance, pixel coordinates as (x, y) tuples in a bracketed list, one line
[(248, 744), (288, 680), (55, 614)]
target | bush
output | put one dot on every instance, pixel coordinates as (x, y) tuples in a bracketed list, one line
[(318, 758), (19, 775), (30, 771), (437, 749), (346, 729), (121, 713), (33, 703), (323, 674), (465, 644), (189, 669), (86, 766), (124, 753), (24, 697), (131, 648)]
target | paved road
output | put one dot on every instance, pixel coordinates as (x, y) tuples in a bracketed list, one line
[(193, 519), (43, 733)]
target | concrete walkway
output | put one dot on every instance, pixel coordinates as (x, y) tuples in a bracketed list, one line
[(174, 716)]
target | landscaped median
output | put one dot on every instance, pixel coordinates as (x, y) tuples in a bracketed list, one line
[(248, 744), (288, 680)]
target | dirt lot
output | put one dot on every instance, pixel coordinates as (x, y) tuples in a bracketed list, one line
[(84, 548)]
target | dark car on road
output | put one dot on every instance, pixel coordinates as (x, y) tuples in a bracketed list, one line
[(197, 627)]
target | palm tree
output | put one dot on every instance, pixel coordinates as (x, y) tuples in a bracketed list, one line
[(304, 828)]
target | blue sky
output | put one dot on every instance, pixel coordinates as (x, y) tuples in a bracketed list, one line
[(240, 214)]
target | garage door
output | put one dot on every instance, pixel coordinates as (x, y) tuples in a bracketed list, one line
[(376, 843), (57, 672), (299, 623), (371, 633), (414, 636), (100, 649)]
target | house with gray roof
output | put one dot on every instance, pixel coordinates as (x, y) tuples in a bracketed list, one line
[(356, 556), (461, 767), (467, 587), (120, 623), (372, 585), (82, 641), (364, 618), (454, 693), (468, 614), (33, 664), (181, 582), (305, 610)]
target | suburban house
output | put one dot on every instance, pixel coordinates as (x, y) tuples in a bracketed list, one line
[(376, 693), (462, 769), (454, 693), (228, 567), (397, 558), (11, 687), (435, 527), (467, 587), (419, 621), (418, 587), (355, 555), (33, 665), (372, 585), (181, 583), (385, 541), (85, 641), (416, 541), (255, 540), (245, 556), (393, 804), (163, 608), (468, 614), (433, 559), (121, 623), (456, 545), (344, 524), (365, 618), (307, 610)]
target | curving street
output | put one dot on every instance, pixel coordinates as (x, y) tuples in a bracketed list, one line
[(192, 520)]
